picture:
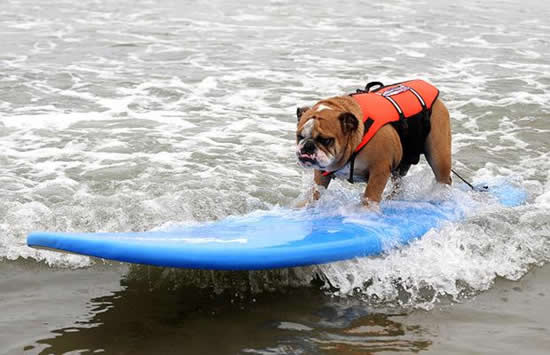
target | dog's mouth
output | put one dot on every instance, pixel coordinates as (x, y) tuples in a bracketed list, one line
[(307, 160)]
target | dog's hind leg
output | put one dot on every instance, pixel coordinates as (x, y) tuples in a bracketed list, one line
[(438, 143)]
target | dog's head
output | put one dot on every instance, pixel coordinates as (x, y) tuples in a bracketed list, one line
[(325, 135)]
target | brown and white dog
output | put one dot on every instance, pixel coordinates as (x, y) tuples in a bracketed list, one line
[(329, 133)]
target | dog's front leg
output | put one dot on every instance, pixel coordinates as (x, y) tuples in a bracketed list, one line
[(320, 180), (315, 194), (378, 179)]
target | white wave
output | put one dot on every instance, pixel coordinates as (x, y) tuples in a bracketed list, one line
[(458, 260)]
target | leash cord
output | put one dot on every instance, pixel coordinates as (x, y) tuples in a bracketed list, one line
[(464, 180)]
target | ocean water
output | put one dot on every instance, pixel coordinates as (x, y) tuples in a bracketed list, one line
[(133, 115)]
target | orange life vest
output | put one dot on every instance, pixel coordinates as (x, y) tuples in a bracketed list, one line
[(406, 105)]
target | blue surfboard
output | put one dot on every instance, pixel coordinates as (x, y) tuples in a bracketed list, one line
[(273, 239)]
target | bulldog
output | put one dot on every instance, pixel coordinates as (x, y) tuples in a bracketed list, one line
[(374, 136)]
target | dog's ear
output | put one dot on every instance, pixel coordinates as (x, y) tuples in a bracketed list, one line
[(300, 111), (349, 122)]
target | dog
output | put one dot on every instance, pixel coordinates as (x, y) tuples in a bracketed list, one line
[(374, 135)]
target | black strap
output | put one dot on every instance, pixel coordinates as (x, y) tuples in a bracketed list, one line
[(351, 166), (367, 125), (425, 110)]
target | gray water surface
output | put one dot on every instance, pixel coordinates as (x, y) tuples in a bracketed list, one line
[(134, 115)]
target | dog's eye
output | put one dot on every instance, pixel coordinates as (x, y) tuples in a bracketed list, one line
[(299, 137), (325, 141)]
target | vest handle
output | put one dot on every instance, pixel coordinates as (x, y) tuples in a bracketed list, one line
[(372, 84)]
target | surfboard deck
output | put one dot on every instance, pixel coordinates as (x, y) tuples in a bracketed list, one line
[(272, 239)]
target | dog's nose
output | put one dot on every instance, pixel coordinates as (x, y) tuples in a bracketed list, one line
[(309, 147)]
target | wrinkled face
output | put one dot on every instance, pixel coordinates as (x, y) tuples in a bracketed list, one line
[(322, 135)]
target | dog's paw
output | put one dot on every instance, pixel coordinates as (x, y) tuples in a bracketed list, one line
[(302, 204), (314, 196), (370, 205)]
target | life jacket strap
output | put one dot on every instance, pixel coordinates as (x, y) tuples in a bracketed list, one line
[(351, 166), (366, 124), (351, 163)]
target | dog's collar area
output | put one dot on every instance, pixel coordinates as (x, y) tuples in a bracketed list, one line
[(351, 161)]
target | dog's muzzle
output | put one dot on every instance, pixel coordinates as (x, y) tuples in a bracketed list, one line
[(306, 154)]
